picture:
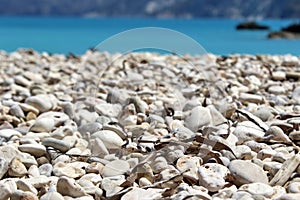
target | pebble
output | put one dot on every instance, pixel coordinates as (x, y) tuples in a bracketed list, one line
[(257, 189), (212, 176), (3, 167), (115, 168), (5, 191), (68, 169), (68, 187), (36, 150), (246, 172), (52, 196), (294, 187), (45, 169), (17, 168), (23, 185), (20, 195), (110, 139), (41, 102), (199, 117), (56, 144), (80, 130), (248, 131), (111, 185)]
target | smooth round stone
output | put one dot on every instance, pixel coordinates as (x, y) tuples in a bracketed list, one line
[(43, 125), (278, 76), (17, 168), (56, 144), (257, 189), (246, 172), (212, 176), (52, 196), (68, 187), (9, 133), (46, 169), (294, 187), (20, 195), (41, 102), (3, 167), (110, 139), (36, 150), (58, 117), (277, 90), (115, 168)]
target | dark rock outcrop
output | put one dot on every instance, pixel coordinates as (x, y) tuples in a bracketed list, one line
[(251, 26), (289, 32)]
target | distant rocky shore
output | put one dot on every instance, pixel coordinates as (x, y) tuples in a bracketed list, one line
[(290, 32), (144, 125)]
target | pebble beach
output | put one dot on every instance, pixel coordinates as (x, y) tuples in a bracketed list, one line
[(149, 126)]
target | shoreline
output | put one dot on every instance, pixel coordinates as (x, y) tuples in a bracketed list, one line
[(106, 125)]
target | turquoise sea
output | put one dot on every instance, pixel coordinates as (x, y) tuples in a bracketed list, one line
[(76, 35)]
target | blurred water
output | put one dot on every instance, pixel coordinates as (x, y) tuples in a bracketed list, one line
[(64, 35)]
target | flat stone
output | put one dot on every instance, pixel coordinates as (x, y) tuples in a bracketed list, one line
[(115, 168), (68, 187), (246, 172), (258, 189), (56, 144), (9, 133), (253, 98), (68, 170), (36, 150), (276, 90)]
